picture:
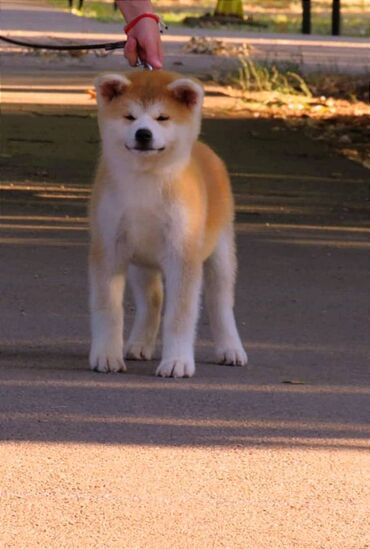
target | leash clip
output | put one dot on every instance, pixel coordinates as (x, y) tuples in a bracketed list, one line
[(162, 26), (143, 65)]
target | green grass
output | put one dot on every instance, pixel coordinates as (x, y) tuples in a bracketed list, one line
[(96, 10), (276, 14), (352, 25), (321, 5), (104, 12)]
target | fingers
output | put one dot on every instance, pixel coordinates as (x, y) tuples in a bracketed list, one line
[(144, 42), (151, 51), (152, 55), (157, 61), (131, 51)]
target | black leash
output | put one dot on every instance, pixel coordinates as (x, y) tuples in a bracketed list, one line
[(107, 46)]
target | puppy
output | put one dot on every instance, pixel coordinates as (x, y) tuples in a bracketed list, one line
[(161, 209)]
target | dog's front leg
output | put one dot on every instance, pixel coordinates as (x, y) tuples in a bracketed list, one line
[(183, 283), (106, 310)]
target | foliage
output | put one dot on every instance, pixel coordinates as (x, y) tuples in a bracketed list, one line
[(102, 11), (230, 7), (352, 24), (258, 77)]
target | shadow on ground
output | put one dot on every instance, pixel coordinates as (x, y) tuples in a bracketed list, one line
[(76, 406), (302, 215)]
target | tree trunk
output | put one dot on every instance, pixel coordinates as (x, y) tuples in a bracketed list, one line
[(306, 16), (230, 8), (335, 18)]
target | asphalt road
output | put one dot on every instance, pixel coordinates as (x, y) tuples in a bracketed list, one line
[(38, 21), (266, 457), (269, 456)]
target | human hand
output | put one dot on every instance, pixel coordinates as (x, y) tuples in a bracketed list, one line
[(144, 39), (144, 43)]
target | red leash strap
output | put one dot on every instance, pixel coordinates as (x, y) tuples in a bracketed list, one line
[(132, 23)]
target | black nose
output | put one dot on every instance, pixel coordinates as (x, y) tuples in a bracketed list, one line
[(143, 135)]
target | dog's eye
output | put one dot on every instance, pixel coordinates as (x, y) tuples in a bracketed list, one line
[(130, 117), (162, 118)]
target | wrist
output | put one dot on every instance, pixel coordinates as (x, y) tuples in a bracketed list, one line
[(132, 8), (136, 20)]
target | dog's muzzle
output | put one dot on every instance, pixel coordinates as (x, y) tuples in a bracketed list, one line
[(144, 142), (143, 138)]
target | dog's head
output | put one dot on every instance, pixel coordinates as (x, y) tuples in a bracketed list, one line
[(151, 116)]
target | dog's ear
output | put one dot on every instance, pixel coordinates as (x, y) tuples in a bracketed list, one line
[(110, 86), (187, 91)]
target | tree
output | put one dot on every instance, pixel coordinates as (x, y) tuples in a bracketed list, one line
[(335, 17), (233, 8), (306, 16)]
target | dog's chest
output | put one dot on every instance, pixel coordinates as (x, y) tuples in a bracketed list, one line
[(142, 221), (144, 227), (143, 236)]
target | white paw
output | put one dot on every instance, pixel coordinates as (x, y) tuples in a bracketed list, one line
[(176, 367), (139, 351), (233, 356), (106, 359)]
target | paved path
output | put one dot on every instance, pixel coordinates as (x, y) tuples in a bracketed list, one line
[(234, 457), (266, 457), (35, 20)]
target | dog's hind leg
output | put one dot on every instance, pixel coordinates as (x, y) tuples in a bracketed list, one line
[(147, 290), (219, 282)]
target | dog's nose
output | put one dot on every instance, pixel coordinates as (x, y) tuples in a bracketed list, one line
[(143, 135)]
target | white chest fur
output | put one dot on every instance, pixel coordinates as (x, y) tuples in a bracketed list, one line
[(138, 221), (166, 205)]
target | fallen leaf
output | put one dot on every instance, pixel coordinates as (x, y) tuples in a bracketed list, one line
[(92, 93), (293, 382)]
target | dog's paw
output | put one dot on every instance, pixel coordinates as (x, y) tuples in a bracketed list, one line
[(139, 351), (107, 360), (232, 356), (176, 367)]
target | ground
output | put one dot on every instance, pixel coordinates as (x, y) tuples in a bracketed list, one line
[(269, 456)]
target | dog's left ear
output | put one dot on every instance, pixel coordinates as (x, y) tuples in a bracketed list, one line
[(187, 91), (110, 86)]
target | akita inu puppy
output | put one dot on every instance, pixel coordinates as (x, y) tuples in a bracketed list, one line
[(161, 208)]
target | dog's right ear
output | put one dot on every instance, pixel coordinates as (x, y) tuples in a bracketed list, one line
[(110, 86)]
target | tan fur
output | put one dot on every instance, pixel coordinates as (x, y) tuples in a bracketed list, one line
[(166, 212), (149, 90), (219, 201)]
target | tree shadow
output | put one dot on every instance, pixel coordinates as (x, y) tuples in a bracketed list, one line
[(81, 406), (301, 306)]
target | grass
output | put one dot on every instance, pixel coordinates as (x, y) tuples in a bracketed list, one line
[(278, 15), (286, 80), (253, 76), (352, 24), (101, 11)]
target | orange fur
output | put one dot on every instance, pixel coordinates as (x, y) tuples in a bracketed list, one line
[(166, 208)]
